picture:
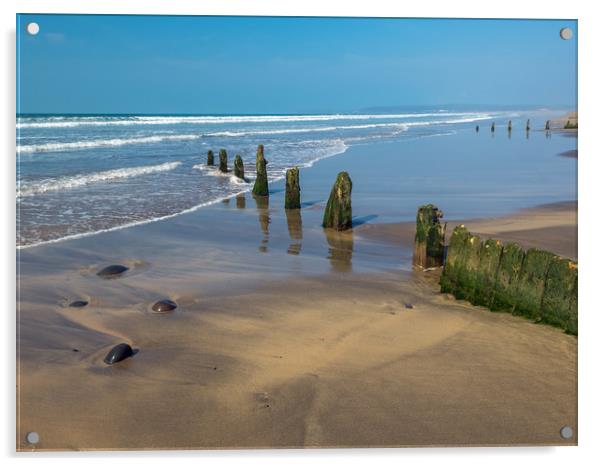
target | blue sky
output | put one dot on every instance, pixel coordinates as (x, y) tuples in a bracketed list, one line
[(154, 64)]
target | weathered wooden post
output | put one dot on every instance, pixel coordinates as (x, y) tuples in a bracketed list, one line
[(338, 209), (467, 272), (528, 127), (429, 241), (489, 261), (210, 160), (223, 161), (239, 168), (506, 281), (531, 283), (292, 197), (548, 125), (477, 128), (493, 126), (557, 302), (455, 254), (509, 125), (260, 188)]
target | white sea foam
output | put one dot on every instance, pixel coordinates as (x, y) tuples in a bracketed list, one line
[(92, 143), (338, 147), (70, 182), (70, 122)]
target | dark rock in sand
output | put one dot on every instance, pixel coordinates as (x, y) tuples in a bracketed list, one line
[(78, 303), (112, 271), (119, 353), (164, 305), (337, 214)]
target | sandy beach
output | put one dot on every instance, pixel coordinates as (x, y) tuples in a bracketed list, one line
[(284, 335)]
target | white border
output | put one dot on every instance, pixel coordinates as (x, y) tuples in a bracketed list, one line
[(590, 388)]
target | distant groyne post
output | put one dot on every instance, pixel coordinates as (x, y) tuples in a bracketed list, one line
[(260, 188), (535, 284), (210, 158), (528, 126), (429, 241), (493, 126), (239, 168), (477, 128), (509, 125), (547, 125), (338, 214), (223, 161), (292, 196)]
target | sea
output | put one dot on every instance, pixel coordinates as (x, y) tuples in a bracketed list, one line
[(79, 175)]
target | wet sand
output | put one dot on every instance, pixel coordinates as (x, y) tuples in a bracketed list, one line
[(284, 336)]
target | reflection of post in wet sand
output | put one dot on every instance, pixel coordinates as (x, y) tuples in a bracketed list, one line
[(241, 201), (340, 249), (295, 230), (263, 208)]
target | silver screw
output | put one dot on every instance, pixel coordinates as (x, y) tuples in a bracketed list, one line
[(32, 437), (566, 33), (566, 432)]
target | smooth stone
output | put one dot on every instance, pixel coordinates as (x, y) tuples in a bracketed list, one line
[(78, 303), (119, 353), (112, 271), (164, 305), (409, 306)]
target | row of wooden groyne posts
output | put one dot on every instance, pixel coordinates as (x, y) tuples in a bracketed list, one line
[(568, 125), (337, 214), (536, 284)]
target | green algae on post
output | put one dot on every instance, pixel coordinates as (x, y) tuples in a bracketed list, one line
[(455, 254), (260, 188), (338, 209), (508, 272), (531, 283), (292, 196), (489, 261), (558, 305), (429, 241), (239, 168), (210, 158), (223, 161), (467, 272)]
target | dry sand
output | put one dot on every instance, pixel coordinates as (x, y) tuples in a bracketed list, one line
[(332, 360)]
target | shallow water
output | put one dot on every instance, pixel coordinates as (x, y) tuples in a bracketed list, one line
[(79, 175)]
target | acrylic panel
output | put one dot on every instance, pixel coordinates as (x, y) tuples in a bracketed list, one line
[(268, 232)]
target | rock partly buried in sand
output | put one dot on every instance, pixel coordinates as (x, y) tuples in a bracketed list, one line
[(78, 303), (119, 353), (164, 305), (112, 271)]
